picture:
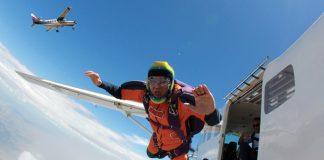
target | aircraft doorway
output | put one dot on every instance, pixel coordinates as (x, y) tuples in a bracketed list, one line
[(242, 107)]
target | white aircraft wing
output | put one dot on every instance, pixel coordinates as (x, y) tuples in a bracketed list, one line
[(62, 16), (127, 107)]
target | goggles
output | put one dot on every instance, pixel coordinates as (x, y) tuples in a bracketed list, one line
[(160, 81)]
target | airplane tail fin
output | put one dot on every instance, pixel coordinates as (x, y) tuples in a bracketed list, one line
[(35, 19)]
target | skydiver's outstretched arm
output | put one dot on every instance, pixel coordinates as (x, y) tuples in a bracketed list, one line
[(110, 88), (95, 78)]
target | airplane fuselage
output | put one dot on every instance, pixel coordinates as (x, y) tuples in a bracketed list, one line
[(55, 23), (287, 95)]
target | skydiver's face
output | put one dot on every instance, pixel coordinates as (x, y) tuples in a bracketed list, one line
[(256, 126), (159, 85)]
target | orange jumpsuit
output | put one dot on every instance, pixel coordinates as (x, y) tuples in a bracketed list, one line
[(166, 139)]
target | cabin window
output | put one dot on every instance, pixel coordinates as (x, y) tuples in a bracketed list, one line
[(279, 89)]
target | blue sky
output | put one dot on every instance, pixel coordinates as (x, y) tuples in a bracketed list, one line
[(216, 42)]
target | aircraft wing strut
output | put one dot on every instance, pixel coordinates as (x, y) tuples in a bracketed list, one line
[(48, 29)]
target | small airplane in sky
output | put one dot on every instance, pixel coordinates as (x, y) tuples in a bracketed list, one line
[(54, 23)]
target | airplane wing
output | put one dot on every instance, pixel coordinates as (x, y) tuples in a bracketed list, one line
[(48, 29), (127, 107), (62, 16)]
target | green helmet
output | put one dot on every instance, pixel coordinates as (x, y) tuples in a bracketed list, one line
[(161, 68)]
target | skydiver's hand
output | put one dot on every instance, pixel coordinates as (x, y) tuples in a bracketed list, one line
[(244, 138), (205, 103), (95, 78)]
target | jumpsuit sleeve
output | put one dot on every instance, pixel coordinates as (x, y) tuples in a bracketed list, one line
[(213, 118), (132, 90), (111, 89)]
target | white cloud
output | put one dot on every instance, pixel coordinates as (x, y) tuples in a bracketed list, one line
[(136, 139), (26, 156), (65, 114)]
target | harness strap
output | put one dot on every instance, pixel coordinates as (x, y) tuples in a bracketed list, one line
[(173, 115), (146, 101), (183, 148), (174, 122), (155, 140), (177, 130)]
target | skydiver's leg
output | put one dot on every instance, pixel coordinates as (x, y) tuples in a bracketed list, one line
[(153, 151), (181, 157)]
